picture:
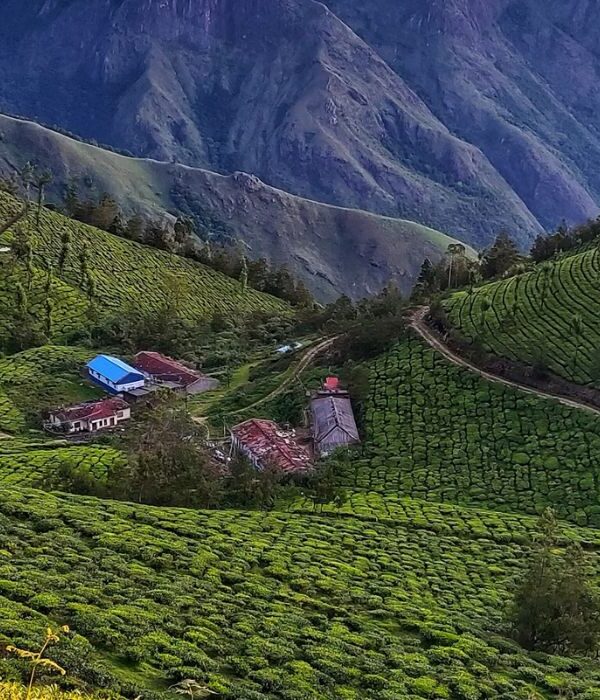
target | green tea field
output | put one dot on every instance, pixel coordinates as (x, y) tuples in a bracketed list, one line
[(548, 315), (126, 276), (263, 606), (439, 432)]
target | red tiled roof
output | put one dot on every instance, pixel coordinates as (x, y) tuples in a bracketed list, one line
[(94, 410), (271, 445), (165, 368)]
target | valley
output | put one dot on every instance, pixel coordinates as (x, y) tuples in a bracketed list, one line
[(299, 365)]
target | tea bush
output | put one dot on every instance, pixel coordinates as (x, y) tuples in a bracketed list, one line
[(55, 467), (278, 605), (439, 432), (531, 316), (131, 275)]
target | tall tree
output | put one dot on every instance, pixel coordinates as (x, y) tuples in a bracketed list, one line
[(577, 332), (500, 257), (456, 255), (556, 609), (65, 249), (41, 179)]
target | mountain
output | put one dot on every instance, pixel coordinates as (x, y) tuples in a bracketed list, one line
[(334, 250), (515, 78), (282, 89)]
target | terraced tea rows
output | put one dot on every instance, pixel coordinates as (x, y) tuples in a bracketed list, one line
[(263, 606), (69, 306), (53, 467), (38, 379), (129, 275), (550, 314), (11, 419), (440, 433)]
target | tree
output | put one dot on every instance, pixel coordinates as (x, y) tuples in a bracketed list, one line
[(244, 274), (169, 462), (324, 485), (71, 199), (456, 257), (41, 179), (21, 244), (577, 332), (83, 265), (555, 608), (484, 306), (500, 257), (426, 281), (65, 248), (134, 230)]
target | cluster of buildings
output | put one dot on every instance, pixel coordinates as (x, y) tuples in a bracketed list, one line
[(126, 384), (332, 426), (330, 418)]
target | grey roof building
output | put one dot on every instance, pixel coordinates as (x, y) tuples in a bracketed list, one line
[(333, 423)]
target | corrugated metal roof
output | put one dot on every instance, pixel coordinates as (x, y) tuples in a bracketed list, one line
[(114, 369), (92, 410), (166, 368), (331, 412), (271, 445)]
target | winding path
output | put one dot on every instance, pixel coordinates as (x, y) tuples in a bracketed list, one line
[(307, 359), (418, 324)]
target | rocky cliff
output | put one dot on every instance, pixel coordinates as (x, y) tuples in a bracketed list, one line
[(283, 89)]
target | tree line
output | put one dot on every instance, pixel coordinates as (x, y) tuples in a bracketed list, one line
[(180, 237)]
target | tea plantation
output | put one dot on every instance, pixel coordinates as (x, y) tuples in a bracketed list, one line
[(41, 378), (438, 432), (550, 314), (126, 275), (277, 605)]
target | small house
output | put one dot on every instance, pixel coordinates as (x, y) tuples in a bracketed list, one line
[(114, 375), (89, 417), (332, 418), (168, 372), (265, 444)]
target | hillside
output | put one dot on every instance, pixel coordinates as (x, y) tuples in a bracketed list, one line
[(279, 605), (514, 78), (464, 115), (334, 250), (282, 90), (547, 316), (437, 432), (126, 276)]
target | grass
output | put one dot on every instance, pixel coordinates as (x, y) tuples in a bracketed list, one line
[(438, 432), (279, 605), (531, 316)]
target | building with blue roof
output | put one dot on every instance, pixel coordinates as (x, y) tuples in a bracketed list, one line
[(114, 375)]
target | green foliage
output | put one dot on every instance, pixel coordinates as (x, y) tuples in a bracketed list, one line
[(125, 274), (554, 306), (38, 379), (436, 431), (278, 605), (555, 608)]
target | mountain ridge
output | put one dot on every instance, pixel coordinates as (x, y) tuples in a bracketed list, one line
[(230, 87), (335, 250)]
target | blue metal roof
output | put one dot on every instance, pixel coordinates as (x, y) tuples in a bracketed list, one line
[(114, 369)]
